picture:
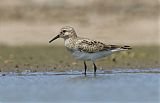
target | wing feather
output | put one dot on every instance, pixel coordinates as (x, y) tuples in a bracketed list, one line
[(92, 46)]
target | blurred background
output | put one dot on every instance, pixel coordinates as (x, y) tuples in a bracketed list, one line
[(132, 22), (26, 26)]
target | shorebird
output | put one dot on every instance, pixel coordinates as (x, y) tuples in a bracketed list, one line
[(86, 49)]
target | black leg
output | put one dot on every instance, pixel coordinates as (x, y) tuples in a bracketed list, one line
[(85, 68), (95, 68)]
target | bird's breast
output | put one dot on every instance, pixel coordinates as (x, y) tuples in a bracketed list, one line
[(69, 44)]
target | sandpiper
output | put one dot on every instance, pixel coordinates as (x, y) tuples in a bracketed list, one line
[(86, 49)]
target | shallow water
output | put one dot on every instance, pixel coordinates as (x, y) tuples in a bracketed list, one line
[(113, 86)]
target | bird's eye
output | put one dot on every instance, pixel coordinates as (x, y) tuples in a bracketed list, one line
[(64, 31)]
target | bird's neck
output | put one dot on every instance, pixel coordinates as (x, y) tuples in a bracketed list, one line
[(70, 42)]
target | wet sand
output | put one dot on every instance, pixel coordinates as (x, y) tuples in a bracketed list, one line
[(55, 58)]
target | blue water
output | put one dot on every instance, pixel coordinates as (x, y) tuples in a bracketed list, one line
[(112, 86)]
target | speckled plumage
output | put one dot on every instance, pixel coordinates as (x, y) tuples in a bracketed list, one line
[(86, 49)]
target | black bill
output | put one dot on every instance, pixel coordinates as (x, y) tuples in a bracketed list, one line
[(54, 38)]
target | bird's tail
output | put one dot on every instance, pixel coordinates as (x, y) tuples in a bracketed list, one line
[(115, 48), (125, 47)]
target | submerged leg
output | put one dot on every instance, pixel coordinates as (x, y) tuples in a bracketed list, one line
[(85, 68), (95, 67)]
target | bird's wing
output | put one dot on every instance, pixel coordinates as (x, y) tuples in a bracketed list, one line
[(92, 46)]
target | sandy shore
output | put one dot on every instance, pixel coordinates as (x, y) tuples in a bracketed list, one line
[(136, 32), (37, 21)]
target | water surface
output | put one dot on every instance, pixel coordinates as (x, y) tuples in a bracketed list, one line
[(113, 86)]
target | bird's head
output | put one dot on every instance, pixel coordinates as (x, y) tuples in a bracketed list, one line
[(65, 33)]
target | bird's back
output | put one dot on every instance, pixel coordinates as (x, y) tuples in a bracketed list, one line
[(91, 46)]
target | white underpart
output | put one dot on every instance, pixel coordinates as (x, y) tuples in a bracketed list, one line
[(92, 56)]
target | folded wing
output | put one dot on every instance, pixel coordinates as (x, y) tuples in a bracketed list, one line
[(92, 46)]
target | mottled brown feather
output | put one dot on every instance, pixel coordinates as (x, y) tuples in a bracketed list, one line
[(92, 46)]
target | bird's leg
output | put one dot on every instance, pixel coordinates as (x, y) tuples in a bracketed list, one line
[(85, 68), (95, 68)]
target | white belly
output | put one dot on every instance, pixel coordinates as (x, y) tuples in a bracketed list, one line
[(90, 56)]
